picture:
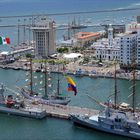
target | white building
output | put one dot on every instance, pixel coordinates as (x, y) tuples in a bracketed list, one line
[(107, 49), (44, 37), (16, 53), (132, 27), (130, 45)]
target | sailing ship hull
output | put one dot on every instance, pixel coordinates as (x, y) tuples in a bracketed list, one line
[(85, 122), (54, 100)]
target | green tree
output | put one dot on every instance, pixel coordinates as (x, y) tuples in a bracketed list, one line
[(28, 55), (62, 50)]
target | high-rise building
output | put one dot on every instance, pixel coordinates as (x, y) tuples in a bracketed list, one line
[(138, 19), (44, 37), (128, 45), (138, 51)]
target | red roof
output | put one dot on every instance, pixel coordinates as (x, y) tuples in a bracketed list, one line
[(83, 35)]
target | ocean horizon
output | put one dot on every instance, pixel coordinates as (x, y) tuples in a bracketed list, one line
[(16, 7), (32, 7), (20, 128)]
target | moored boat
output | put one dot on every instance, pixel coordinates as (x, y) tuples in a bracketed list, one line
[(49, 100), (115, 119), (49, 97), (17, 107), (111, 121)]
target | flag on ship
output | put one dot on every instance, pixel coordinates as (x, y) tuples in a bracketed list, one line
[(4, 40), (71, 85)]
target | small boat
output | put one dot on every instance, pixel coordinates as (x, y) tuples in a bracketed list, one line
[(93, 75), (16, 68), (79, 73)]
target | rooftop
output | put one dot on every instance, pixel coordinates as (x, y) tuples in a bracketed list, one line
[(84, 35)]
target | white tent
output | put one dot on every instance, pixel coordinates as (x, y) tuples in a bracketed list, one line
[(72, 55)]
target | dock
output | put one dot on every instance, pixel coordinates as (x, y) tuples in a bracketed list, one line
[(35, 113), (63, 112)]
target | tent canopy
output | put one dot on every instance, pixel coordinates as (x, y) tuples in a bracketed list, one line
[(72, 55)]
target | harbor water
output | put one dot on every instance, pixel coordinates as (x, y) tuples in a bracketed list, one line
[(20, 128), (32, 7)]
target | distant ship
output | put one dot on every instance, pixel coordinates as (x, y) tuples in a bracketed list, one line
[(9, 105), (78, 25)]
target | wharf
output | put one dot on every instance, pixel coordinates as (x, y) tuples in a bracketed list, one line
[(61, 111), (71, 69), (36, 113)]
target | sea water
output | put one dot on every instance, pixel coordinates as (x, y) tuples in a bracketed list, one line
[(20, 128)]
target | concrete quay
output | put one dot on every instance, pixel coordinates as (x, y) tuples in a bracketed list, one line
[(71, 68), (63, 112)]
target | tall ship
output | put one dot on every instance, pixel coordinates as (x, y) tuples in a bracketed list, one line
[(48, 98), (75, 25), (113, 120)]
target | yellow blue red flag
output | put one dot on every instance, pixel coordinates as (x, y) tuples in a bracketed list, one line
[(71, 85)]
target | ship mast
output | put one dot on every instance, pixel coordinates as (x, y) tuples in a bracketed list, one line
[(31, 77), (46, 80), (134, 78), (58, 83), (133, 90), (115, 89)]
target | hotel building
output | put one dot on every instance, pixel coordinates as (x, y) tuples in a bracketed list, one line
[(130, 46), (44, 37)]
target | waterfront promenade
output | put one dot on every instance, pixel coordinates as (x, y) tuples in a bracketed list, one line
[(71, 68)]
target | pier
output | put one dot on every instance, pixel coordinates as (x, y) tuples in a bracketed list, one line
[(63, 112), (71, 71)]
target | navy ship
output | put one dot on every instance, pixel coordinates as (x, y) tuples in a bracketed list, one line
[(112, 120)]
